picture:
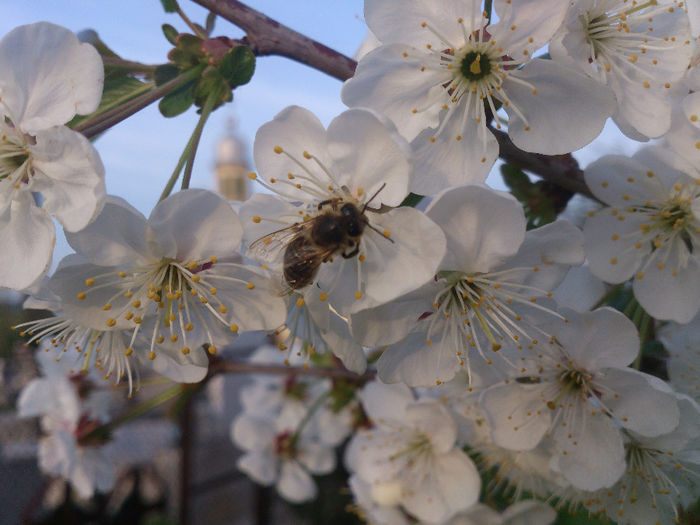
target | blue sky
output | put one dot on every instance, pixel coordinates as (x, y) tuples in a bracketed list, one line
[(140, 153)]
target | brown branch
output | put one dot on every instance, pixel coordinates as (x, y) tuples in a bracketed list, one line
[(266, 36), (227, 366)]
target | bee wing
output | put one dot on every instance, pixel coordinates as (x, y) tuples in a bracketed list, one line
[(306, 261), (269, 247)]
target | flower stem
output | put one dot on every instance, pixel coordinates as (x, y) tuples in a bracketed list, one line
[(197, 134), (488, 8), (197, 31), (307, 417)]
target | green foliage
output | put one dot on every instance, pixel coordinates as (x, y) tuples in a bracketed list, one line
[(209, 24), (541, 200), (170, 33), (412, 200), (169, 6), (178, 101), (238, 66), (117, 90)]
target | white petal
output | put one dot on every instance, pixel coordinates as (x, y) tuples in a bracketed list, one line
[(567, 112), (458, 480), (551, 249), (670, 287), (48, 75), (620, 181), (343, 347), (382, 401), (482, 226), (118, 235), (523, 27), (253, 433), (432, 420), (70, 176), (597, 459), (27, 237), (202, 223), (295, 485), (190, 368), (462, 151), (295, 130), (415, 362), (517, 415), (636, 404), (317, 458), (391, 322), (580, 289), (388, 81), (405, 24), (261, 467), (370, 156), (611, 244)]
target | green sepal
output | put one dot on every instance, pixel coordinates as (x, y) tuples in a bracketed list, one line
[(165, 73), (178, 101), (169, 6), (187, 51), (238, 66), (210, 22), (170, 33), (212, 82)]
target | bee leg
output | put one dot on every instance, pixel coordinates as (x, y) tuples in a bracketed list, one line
[(352, 253)]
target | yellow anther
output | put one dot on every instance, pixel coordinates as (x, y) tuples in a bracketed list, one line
[(323, 296), (362, 257), (212, 290), (196, 278), (306, 154), (252, 175), (128, 295), (89, 281), (277, 149), (107, 307), (300, 302), (211, 349), (234, 328), (151, 355), (250, 286), (256, 219), (111, 321), (186, 350), (160, 339), (223, 309), (387, 233), (136, 304), (81, 296), (213, 259), (173, 338)]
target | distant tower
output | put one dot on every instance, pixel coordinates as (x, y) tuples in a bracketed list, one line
[(231, 165)]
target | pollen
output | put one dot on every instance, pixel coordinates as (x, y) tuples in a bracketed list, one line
[(387, 233), (362, 257), (111, 321), (234, 328), (223, 309), (129, 351), (250, 286), (151, 355), (186, 350), (211, 349), (252, 175), (89, 281), (358, 294), (81, 296), (278, 150), (323, 296)]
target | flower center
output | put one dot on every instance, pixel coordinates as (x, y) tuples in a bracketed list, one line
[(14, 157), (475, 66)]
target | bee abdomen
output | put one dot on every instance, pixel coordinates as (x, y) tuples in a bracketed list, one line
[(301, 262)]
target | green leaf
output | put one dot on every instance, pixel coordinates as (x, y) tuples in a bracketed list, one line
[(412, 200), (165, 73), (170, 33), (212, 82), (238, 66), (117, 90), (170, 6), (209, 24), (178, 101)]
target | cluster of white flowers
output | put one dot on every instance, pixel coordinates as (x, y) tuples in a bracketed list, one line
[(455, 304)]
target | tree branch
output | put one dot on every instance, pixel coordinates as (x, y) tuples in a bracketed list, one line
[(266, 36), (219, 365)]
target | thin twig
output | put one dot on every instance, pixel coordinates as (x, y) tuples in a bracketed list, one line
[(266, 36), (228, 366)]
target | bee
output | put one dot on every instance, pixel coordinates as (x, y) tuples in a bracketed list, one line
[(336, 229)]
